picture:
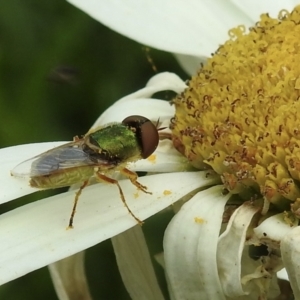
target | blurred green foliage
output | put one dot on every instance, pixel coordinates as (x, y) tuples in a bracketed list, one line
[(59, 69)]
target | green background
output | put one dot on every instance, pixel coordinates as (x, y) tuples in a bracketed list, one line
[(59, 69)]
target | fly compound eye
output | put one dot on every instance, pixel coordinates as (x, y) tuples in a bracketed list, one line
[(146, 133)]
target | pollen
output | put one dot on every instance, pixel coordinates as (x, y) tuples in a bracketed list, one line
[(152, 158), (240, 114), (199, 220), (167, 192)]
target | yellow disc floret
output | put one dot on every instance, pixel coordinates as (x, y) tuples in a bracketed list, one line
[(240, 114)]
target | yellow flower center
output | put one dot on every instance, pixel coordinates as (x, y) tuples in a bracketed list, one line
[(240, 114)]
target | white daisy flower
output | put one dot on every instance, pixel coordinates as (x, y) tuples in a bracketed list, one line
[(192, 31), (237, 122)]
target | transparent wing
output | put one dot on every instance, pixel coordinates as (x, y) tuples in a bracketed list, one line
[(66, 156)]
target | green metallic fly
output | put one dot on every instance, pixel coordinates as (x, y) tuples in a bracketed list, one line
[(101, 151)]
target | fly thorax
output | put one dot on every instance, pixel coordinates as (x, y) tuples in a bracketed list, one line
[(115, 143)]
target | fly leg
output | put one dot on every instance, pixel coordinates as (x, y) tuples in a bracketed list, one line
[(133, 178), (104, 178), (77, 194)]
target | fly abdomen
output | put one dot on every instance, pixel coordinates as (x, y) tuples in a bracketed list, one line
[(62, 178)]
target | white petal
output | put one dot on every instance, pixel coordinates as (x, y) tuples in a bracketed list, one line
[(35, 235), (272, 230), (164, 159), (187, 27), (230, 249), (190, 64), (252, 272), (255, 8), (282, 274), (190, 247), (135, 265), (68, 277), (13, 187), (166, 81), (290, 252), (160, 259), (150, 108)]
